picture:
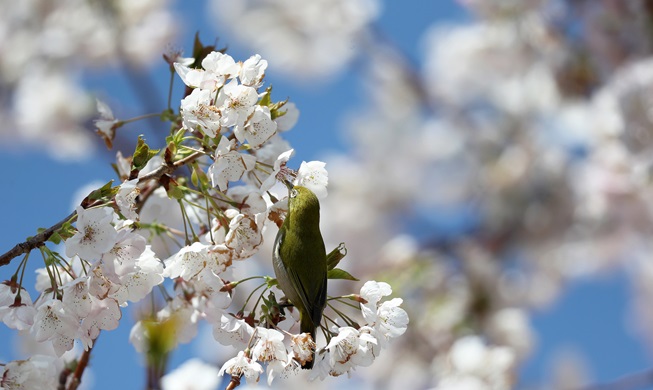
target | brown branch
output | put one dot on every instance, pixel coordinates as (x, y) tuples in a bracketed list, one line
[(40, 239), (81, 366), (33, 242)]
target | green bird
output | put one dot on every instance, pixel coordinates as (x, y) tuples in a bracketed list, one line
[(300, 261)]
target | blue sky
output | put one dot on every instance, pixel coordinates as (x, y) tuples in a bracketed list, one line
[(591, 316)]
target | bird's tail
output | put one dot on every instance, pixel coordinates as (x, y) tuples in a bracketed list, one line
[(306, 325)]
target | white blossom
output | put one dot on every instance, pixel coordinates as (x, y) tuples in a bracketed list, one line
[(313, 176), (76, 297), (95, 233), (303, 347), (238, 105), (121, 259), (126, 199), (16, 314), (228, 330), (105, 314), (135, 285), (241, 365), (37, 372), (55, 323), (259, 128), (387, 318), (252, 71), (199, 112), (188, 262), (107, 122), (348, 349), (229, 165), (217, 68), (193, 374), (279, 163), (245, 234), (269, 345)]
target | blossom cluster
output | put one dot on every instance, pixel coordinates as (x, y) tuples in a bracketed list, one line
[(230, 126), (348, 348), (51, 45)]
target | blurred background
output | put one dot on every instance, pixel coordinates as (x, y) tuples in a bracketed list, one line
[(490, 159)]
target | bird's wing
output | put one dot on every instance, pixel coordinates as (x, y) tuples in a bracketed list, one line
[(303, 296), (320, 303)]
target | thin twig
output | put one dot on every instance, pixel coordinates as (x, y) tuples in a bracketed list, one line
[(33, 242), (40, 239), (81, 366)]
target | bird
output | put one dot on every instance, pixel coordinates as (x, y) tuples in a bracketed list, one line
[(300, 261)]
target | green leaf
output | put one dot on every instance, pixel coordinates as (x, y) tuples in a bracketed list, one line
[(334, 257), (266, 100), (271, 282), (199, 177), (142, 154), (65, 231), (103, 192), (275, 109), (176, 191), (168, 115), (338, 273), (55, 238), (177, 137)]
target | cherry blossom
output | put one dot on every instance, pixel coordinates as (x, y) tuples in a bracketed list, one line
[(193, 374), (56, 323), (126, 199), (37, 372), (313, 176), (238, 105), (259, 128), (303, 347), (188, 262), (135, 285), (16, 313), (217, 68), (199, 113), (229, 165), (105, 314), (241, 365), (106, 124), (95, 233), (252, 71), (279, 163)]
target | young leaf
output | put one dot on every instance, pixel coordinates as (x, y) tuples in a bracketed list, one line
[(334, 257), (338, 273), (143, 154)]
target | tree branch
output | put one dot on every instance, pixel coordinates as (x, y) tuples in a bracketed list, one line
[(33, 242), (40, 239), (81, 366)]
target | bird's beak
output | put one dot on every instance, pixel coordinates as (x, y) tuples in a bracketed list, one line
[(288, 184)]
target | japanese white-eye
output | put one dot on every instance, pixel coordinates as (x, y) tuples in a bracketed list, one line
[(299, 259)]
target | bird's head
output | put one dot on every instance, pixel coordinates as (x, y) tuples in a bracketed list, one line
[(301, 200)]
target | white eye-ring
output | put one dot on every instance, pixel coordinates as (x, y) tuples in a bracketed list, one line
[(293, 193)]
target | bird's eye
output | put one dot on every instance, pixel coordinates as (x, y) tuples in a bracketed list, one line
[(293, 193)]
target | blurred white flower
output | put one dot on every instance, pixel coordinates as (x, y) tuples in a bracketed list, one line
[(193, 374), (309, 39)]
